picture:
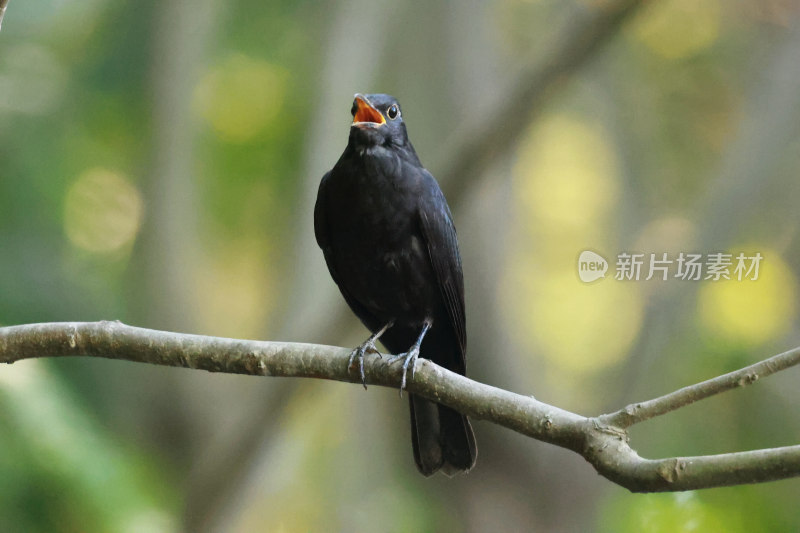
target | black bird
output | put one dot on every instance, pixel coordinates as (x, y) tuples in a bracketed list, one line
[(390, 245)]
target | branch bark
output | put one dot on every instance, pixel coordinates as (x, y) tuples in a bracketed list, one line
[(602, 441), (642, 411)]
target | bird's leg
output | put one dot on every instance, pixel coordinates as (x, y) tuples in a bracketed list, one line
[(410, 357), (366, 347)]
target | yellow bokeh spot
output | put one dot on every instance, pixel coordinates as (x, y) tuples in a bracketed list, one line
[(747, 311), (102, 211), (566, 187), (233, 293), (240, 97), (578, 327), (565, 174), (679, 28)]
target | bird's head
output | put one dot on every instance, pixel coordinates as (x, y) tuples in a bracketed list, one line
[(377, 120)]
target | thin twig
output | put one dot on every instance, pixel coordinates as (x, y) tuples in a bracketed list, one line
[(638, 412), (602, 441)]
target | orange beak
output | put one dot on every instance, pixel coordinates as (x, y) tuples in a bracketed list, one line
[(366, 113)]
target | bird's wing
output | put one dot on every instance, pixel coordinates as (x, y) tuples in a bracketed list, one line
[(323, 240), (440, 237), (320, 224)]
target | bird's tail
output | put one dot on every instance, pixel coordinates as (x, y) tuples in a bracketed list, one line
[(442, 438)]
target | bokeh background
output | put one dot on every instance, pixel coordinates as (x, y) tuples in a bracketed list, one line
[(158, 165)]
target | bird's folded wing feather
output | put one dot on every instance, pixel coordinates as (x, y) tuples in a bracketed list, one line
[(323, 240), (440, 237)]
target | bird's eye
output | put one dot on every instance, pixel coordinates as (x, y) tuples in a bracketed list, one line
[(354, 108), (393, 112)]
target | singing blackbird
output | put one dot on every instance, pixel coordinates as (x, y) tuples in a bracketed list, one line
[(390, 245)]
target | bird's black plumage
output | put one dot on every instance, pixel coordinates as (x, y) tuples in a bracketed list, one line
[(390, 245)]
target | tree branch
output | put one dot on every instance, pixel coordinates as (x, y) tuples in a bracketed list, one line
[(639, 412), (602, 440)]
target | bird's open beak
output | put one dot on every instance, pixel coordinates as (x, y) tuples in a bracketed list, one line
[(366, 114)]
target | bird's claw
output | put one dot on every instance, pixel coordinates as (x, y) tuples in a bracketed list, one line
[(368, 346), (409, 359)]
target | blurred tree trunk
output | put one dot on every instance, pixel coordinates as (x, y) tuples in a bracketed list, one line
[(169, 247)]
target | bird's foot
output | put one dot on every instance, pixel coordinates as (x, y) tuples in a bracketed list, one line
[(409, 360), (410, 357), (368, 346)]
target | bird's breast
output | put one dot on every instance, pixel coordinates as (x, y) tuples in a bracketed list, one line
[(379, 242), (372, 196)]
